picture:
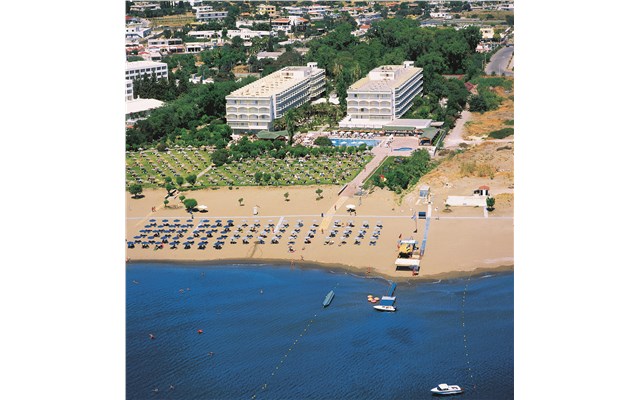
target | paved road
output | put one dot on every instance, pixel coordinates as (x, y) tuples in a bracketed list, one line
[(500, 61)]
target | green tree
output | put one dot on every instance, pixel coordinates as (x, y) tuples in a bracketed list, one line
[(319, 193), (220, 157), (179, 180), (286, 196), (182, 197), (190, 204), (490, 203), (322, 141), (240, 200), (166, 202), (258, 176), (191, 178), (290, 120), (277, 176), (135, 189), (170, 188), (162, 146)]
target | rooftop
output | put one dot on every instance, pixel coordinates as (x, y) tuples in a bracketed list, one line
[(374, 82), (144, 64), (274, 83), (138, 105)]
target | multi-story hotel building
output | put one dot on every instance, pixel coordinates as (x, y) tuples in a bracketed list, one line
[(138, 69), (384, 95), (255, 106)]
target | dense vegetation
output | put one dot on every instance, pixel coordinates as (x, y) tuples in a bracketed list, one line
[(437, 51), (179, 120), (398, 173), (501, 133), (487, 99), (245, 149)]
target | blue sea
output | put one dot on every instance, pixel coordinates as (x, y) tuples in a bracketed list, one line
[(265, 334)]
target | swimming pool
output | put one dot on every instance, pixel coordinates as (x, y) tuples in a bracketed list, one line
[(403, 149), (354, 142)]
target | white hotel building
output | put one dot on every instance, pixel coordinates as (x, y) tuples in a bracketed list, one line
[(138, 69), (254, 107), (383, 96)]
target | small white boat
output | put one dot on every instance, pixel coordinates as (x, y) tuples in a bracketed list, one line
[(384, 308), (443, 389)]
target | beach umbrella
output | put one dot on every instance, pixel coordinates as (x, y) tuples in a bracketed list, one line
[(165, 220), (351, 207), (152, 220)]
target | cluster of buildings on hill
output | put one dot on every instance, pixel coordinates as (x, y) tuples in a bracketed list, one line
[(375, 101), (147, 43)]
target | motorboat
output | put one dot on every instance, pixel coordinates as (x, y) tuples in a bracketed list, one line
[(443, 389), (384, 308), (328, 298)]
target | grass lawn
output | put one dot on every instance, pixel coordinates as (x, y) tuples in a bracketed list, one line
[(149, 168)]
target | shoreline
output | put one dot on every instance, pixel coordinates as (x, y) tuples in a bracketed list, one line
[(330, 267)]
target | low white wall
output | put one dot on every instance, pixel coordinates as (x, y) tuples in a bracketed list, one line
[(469, 201)]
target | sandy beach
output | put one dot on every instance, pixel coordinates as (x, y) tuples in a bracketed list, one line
[(459, 243)]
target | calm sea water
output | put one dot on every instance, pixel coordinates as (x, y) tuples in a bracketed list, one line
[(270, 337)]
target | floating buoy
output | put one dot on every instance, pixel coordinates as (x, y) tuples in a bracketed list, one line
[(376, 298), (199, 331)]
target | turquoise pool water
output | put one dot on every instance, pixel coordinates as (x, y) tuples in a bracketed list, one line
[(354, 142)]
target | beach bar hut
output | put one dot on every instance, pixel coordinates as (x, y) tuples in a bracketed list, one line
[(482, 190)]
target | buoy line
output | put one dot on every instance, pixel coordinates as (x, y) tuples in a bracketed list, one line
[(286, 354), (464, 334)]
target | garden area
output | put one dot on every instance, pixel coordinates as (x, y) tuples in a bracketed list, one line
[(154, 169)]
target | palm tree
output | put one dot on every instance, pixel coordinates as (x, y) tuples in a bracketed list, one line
[(290, 119)]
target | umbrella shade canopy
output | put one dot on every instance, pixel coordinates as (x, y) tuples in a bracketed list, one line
[(351, 207), (202, 207)]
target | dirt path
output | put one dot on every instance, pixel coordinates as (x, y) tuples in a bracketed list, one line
[(454, 138)]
